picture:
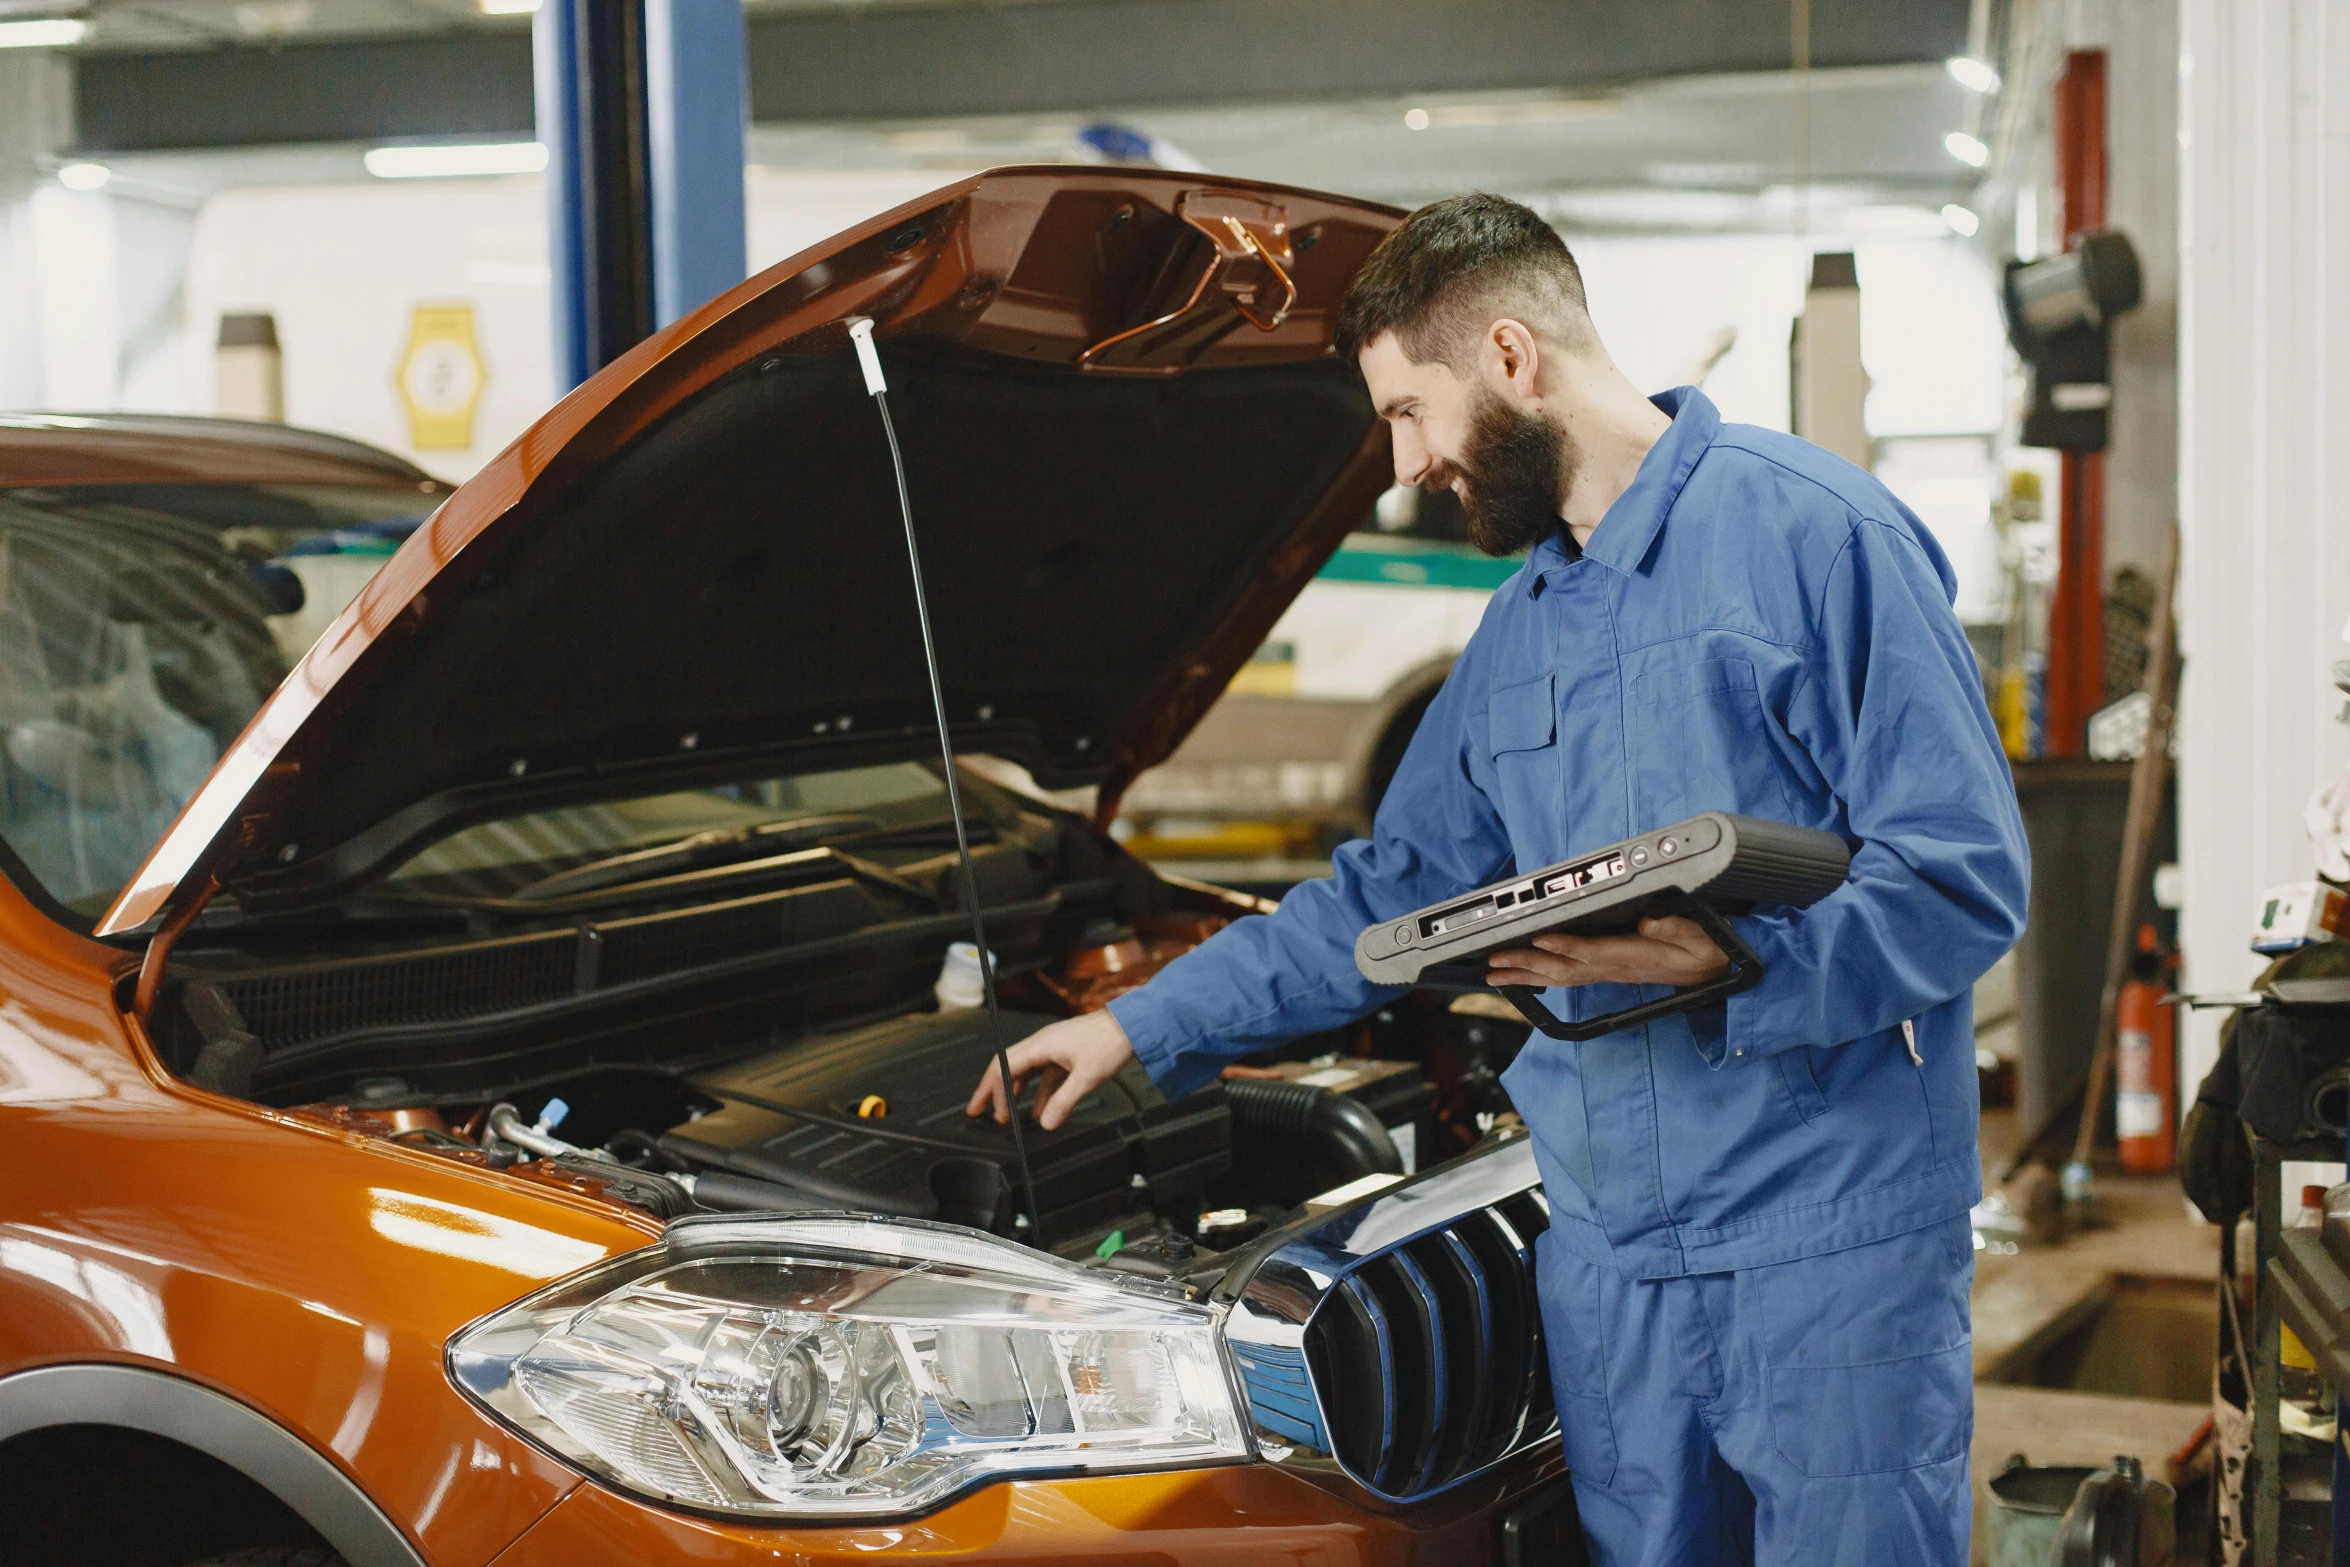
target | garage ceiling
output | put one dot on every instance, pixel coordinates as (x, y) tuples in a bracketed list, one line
[(1703, 152), (208, 73), (122, 25), (1672, 115)]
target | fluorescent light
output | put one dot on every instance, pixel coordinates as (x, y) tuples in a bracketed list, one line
[(506, 7), (1894, 220), (1972, 74), (455, 159), (47, 32), (1962, 220), (1509, 109), (84, 176), (1959, 144)]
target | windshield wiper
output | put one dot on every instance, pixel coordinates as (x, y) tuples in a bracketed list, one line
[(714, 847)]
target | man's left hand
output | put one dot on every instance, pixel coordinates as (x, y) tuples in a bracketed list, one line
[(1669, 951)]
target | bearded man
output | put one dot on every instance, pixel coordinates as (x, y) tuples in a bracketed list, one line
[(1754, 1287)]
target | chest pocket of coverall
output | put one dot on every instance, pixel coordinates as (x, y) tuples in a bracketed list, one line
[(1700, 742), (1522, 735)]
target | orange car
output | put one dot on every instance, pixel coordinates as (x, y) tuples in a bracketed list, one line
[(480, 1088)]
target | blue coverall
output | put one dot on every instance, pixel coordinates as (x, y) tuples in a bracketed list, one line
[(1754, 1288)]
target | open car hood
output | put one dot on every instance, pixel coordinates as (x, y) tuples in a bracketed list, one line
[(1128, 443)]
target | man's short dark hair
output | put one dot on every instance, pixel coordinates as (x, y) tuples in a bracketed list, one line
[(1455, 267)]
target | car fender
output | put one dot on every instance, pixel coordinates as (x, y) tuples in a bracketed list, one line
[(307, 1269), (257, 1447), (1421, 681)]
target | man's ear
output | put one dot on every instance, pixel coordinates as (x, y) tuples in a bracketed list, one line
[(1512, 358)]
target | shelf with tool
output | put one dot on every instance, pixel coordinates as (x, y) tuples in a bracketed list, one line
[(2279, 1097)]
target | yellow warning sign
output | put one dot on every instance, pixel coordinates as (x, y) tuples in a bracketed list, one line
[(440, 378)]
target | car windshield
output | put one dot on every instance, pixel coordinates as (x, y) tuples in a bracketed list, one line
[(141, 626), (503, 857)]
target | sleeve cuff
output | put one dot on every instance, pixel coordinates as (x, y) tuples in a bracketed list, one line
[(1157, 1043)]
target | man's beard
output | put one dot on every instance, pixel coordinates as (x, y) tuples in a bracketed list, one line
[(1514, 469)]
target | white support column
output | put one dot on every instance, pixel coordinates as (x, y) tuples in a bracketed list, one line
[(35, 115), (2264, 448)]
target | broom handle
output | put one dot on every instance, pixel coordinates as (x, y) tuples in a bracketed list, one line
[(2145, 811)]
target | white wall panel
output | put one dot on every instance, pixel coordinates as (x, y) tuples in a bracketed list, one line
[(2264, 479)]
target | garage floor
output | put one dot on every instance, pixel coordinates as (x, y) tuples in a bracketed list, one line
[(2101, 1345)]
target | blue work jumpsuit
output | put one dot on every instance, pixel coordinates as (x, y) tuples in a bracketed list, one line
[(1754, 1289)]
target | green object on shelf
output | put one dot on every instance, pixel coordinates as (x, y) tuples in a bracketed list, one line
[(1112, 1244)]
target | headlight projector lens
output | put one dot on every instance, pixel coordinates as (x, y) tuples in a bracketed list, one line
[(847, 1368)]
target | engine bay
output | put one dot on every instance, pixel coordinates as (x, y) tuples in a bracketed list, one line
[(763, 1035)]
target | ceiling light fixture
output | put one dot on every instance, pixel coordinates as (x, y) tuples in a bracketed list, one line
[(455, 160), (1966, 149), (1415, 119), (44, 32), (1962, 220), (506, 7), (1972, 74), (84, 176)]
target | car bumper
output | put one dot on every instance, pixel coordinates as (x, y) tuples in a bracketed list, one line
[(1222, 1517)]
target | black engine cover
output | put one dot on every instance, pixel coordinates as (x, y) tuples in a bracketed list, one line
[(792, 1115)]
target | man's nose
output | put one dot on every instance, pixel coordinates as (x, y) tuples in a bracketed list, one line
[(1411, 458)]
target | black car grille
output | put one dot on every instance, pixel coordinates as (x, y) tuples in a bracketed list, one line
[(1428, 1356)]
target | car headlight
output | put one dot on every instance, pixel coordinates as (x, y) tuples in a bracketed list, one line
[(840, 1367)]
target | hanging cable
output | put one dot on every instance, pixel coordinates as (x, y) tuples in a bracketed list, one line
[(869, 360)]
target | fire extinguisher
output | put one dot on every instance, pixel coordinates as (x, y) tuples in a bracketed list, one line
[(2146, 1062)]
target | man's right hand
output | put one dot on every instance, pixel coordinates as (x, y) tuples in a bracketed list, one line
[(1076, 1055)]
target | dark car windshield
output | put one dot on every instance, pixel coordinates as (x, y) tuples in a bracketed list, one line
[(141, 626), (502, 857)]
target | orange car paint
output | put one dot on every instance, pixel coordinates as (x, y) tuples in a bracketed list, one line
[(1243, 1513)]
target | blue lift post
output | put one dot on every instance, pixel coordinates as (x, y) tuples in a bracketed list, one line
[(641, 106), (697, 89)]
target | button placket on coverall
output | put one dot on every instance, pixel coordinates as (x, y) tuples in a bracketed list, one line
[(1755, 626)]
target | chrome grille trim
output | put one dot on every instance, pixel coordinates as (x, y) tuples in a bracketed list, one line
[(1398, 1344)]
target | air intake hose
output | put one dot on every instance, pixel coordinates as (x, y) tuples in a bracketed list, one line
[(724, 1193), (1331, 1129), (823, 1190)]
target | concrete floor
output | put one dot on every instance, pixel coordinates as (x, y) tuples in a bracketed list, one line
[(2020, 1299)]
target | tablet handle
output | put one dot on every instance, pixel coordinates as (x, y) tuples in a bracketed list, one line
[(1746, 971)]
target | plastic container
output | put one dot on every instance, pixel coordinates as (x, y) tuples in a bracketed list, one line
[(960, 983)]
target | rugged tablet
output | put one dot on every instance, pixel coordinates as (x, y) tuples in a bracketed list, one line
[(1705, 868)]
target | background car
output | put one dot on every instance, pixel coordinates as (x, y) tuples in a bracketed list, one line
[(1297, 756)]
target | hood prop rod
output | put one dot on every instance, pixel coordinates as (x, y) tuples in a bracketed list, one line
[(167, 935), (869, 360)]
